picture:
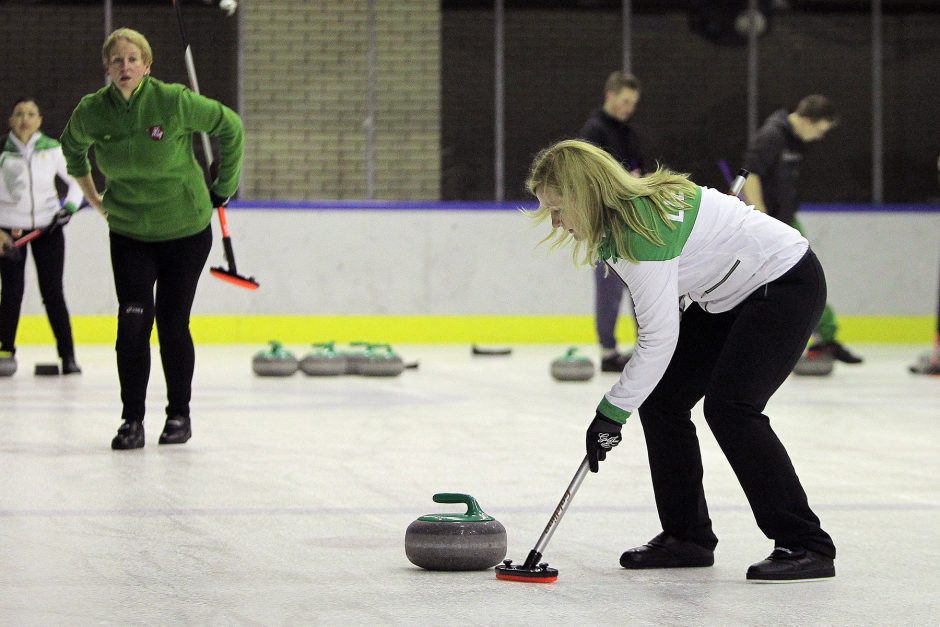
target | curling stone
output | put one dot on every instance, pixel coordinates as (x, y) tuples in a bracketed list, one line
[(274, 362), (925, 365), (814, 364), (470, 541), (490, 351), (356, 357), (7, 364), (571, 367), (324, 361), (46, 370), (381, 361)]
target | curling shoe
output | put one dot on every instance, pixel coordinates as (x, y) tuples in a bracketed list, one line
[(70, 366), (616, 362), (666, 551), (176, 431), (797, 564), (130, 435), (836, 350)]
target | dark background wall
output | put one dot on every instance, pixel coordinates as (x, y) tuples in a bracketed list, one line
[(694, 102), (557, 56), (52, 51)]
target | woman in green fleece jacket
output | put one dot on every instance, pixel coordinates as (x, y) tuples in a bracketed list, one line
[(158, 210)]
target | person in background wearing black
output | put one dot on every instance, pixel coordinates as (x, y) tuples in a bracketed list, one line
[(609, 128), (773, 157)]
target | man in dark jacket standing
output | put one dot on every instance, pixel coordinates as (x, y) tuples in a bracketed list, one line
[(773, 158), (609, 128)]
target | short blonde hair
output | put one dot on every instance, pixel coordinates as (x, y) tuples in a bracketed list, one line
[(600, 196), (132, 36)]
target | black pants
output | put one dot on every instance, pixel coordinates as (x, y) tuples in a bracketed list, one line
[(736, 360), (49, 256), (174, 267)]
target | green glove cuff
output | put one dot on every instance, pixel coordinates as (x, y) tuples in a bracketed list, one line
[(612, 412)]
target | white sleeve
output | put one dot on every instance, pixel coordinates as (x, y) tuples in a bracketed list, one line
[(74, 193), (654, 287)]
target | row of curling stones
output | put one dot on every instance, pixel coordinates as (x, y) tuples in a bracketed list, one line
[(371, 360), (470, 541), (572, 367)]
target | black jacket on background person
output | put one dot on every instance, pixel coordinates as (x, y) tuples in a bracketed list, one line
[(618, 138), (775, 154)]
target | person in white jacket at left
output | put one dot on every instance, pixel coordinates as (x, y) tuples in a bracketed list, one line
[(29, 164)]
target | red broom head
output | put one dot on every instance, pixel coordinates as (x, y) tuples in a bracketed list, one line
[(540, 574), (248, 283)]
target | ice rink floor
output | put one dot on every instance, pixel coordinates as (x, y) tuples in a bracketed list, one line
[(289, 505)]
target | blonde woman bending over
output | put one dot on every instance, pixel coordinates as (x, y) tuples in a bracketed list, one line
[(726, 299)]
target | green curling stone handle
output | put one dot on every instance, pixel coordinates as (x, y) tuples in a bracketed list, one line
[(473, 514)]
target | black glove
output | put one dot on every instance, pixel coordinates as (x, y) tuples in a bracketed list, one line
[(603, 434), (61, 218), (218, 201)]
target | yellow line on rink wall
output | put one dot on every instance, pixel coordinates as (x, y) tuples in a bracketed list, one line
[(100, 329)]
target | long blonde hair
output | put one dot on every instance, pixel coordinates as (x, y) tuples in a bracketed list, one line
[(599, 196)]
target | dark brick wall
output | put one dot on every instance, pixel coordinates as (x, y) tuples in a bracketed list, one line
[(53, 52), (694, 101)]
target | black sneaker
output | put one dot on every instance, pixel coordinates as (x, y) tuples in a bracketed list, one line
[(666, 551), (70, 366), (792, 565), (616, 362), (837, 350), (176, 431), (129, 435)]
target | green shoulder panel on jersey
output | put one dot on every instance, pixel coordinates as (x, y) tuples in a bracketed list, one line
[(45, 143), (673, 235)]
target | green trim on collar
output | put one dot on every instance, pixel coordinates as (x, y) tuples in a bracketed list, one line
[(674, 233), (45, 142), (611, 411)]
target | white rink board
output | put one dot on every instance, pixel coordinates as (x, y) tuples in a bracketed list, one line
[(401, 262)]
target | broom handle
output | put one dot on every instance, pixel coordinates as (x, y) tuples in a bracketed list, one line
[(561, 509), (738, 183), (193, 81)]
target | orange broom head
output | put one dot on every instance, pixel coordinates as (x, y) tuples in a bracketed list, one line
[(525, 578), (507, 571), (248, 283)]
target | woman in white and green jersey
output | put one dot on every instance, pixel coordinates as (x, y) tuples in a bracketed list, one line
[(725, 300), (30, 162)]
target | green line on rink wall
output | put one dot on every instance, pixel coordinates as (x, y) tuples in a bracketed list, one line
[(34, 329)]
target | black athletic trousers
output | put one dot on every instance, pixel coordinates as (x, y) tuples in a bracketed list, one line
[(174, 267), (49, 256), (736, 360)]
